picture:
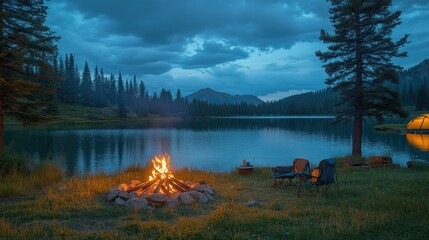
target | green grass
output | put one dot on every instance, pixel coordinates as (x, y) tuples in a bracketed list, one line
[(371, 204)]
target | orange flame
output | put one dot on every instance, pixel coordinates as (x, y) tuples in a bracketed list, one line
[(161, 165)]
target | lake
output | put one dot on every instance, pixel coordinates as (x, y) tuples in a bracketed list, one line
[(217, 144)]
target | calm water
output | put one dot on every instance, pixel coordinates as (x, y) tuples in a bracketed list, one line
[(212, 144)]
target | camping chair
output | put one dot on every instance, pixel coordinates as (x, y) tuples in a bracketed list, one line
[(324, 175), (300, 166)]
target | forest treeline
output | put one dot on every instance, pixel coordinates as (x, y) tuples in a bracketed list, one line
[(96, 88), (130, 96)]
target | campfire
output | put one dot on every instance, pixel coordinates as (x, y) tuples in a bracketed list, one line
[(162, 180), (160, 189)]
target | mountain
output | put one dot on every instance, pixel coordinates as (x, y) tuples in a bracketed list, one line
[(416, 74), (413, 80), (211, 96), (320, 102)]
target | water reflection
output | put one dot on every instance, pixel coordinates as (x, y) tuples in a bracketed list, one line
[(420, 141), (211, 144)]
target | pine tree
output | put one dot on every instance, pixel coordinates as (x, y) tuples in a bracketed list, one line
[(143, 100), (411, 94), (421, 97), (135, 86), (26, 52), (70, 91), (112, 96), (121, 100), (86, 86), (75, 85), (358, 61), (61, 77), (97, 87)]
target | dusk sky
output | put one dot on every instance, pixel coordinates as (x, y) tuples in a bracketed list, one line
[(264, 48)]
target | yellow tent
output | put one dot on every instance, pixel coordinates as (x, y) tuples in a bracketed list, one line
[(420, 141), (419, 124)]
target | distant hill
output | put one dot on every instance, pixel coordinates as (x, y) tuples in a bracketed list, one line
[(211, 96), (319, 102), (413, 80), (417, 73)]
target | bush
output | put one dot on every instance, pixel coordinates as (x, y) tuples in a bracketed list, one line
[(12, 162), (46, 172)]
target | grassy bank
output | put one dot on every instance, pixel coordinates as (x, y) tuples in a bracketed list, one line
[(371, 204), (390, 127), (85, 117)]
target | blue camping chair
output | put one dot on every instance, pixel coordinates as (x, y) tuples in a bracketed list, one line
[(323, 175), (280, 173)]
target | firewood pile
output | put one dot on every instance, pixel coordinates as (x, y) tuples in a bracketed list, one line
[(162, 189)]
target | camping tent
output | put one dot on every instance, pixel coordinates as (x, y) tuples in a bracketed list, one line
[(419, 124), (420, 141)]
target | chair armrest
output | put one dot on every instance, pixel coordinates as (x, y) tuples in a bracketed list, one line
[(282, 169)]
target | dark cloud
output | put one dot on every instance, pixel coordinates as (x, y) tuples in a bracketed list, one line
[(233, 46), (211, 54), (255, 23)]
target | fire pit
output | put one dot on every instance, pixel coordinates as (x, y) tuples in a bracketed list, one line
[(161, 189)]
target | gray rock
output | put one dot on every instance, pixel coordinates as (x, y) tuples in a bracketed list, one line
[(136, 202), (112, 194), (133, 194), (158, 198), (210, 190), (186, 198), (145, 196), (172, 202), (252, 204), (200, 196), (124, 195), (175, 195), (209, 197), (200, 188), (119, 201)]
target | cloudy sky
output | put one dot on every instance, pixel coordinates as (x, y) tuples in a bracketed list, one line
[(260, 47)]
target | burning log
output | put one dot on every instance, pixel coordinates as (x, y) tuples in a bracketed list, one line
[(142, 186), (162, 180), (182, 185)]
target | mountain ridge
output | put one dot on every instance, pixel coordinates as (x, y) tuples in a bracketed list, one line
[(211, 96)]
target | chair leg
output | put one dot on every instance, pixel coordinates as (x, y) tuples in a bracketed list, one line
[(312, 193)]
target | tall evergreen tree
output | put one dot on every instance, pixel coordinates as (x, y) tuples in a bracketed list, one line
[(143, 100), (121, 95), (25, 43), (358, 61), (86, 86), (70, 91), (135, 86), (61, 76), (411, 94), (111, 93), (421, 97)]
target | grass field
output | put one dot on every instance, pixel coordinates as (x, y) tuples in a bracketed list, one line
[(383, 203)]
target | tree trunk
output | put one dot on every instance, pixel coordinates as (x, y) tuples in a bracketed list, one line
[(1, 127), (1, 85), (357, 137), (358, 88)]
